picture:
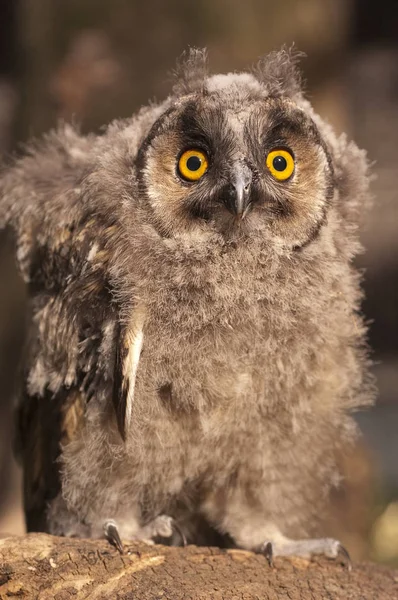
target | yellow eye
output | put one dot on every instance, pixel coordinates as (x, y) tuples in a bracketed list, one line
[(192, 165), (280, 163)]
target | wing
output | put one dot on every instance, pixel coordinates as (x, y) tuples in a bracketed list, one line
[(65, 246), (70, 354)]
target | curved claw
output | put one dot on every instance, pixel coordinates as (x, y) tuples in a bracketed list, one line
[(268, 552), (177, 529), (113, 536), (343, 552)]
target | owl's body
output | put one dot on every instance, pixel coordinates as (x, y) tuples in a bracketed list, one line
[(195, 347)]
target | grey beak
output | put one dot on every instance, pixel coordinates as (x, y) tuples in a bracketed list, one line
[(238, 197)]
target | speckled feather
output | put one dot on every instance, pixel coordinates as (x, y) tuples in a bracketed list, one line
[(229, 356)]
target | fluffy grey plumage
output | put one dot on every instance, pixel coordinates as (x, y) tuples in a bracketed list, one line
[(195, 347)]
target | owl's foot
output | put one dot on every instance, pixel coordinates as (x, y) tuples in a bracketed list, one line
[(162, 529), (306, 548)]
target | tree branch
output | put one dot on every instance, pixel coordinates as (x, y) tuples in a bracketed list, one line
[(45, 567)]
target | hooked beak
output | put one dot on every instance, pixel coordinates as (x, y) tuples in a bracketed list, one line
[(237, 198)]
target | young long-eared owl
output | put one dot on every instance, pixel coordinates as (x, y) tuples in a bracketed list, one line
[(195, 345)]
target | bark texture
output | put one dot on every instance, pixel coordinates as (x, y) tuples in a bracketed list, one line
[(39, 566)]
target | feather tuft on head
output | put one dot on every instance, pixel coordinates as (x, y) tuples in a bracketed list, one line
[(278, 70), (190, 72)]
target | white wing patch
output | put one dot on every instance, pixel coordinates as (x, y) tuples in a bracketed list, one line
[(134, 340)]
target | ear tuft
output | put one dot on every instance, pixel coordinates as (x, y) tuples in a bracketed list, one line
[(279, 72), (191, 72)]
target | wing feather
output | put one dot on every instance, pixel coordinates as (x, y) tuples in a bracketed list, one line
[(65, 246), (126, 366)]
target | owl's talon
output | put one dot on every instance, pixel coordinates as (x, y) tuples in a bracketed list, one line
[(345, 556), (268, 551), (112, 535), (177, 529)]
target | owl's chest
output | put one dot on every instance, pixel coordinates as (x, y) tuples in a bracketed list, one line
[(208, 335), (222, 348), (225, 325)]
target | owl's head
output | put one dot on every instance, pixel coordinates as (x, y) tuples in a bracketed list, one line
[(239, 153)]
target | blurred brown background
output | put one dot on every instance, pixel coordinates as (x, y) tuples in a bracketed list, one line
[(93, 60)]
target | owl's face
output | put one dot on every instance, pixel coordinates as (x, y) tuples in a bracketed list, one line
[(233, 159)]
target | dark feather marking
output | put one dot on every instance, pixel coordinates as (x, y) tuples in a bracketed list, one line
[(121, 384), (43, 425), (192, 132), (207, 130), (165, 393), (72, 299), (153, 133), (313, 234)]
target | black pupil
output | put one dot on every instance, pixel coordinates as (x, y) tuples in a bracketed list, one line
[(194, 163), (279, 163)]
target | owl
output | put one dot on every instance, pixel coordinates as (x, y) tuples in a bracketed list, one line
[(195, 348)]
